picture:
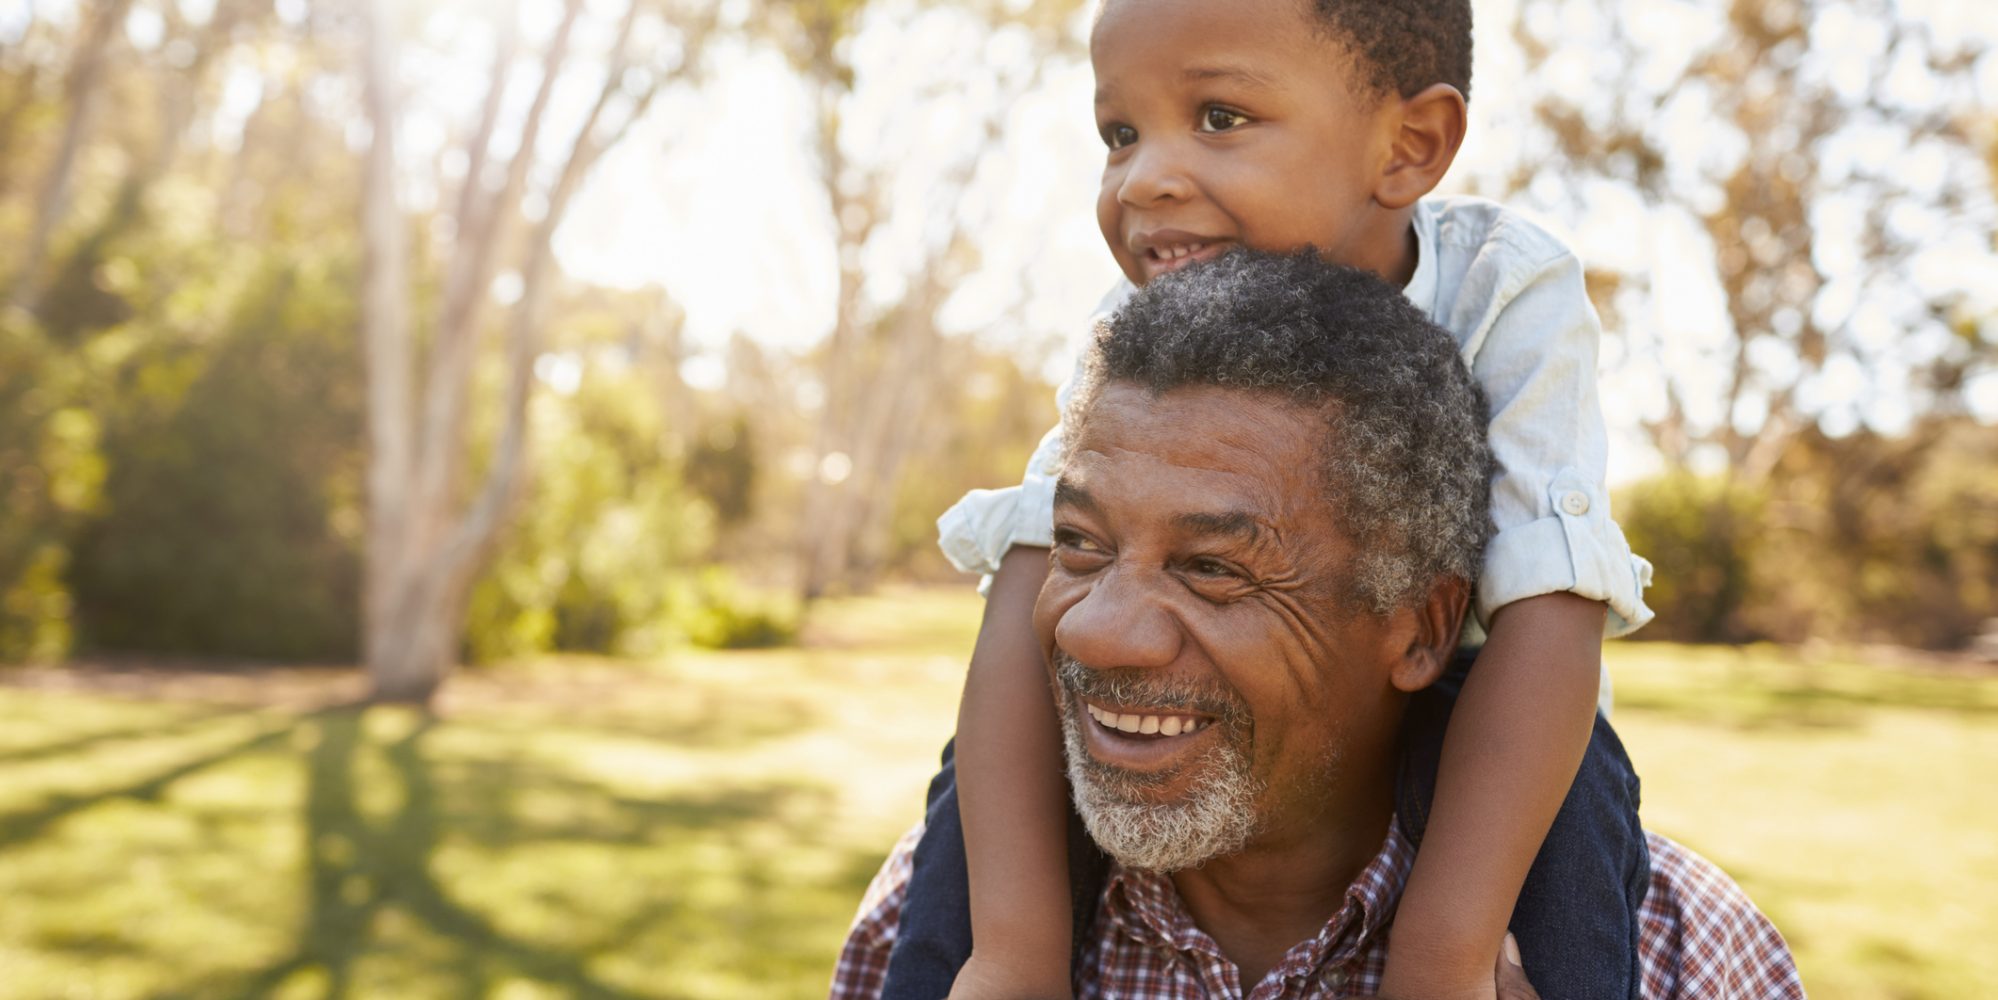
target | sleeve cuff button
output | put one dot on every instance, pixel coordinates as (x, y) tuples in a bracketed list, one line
[(1575, 502)]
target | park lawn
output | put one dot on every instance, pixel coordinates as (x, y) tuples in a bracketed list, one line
[(703, 826)]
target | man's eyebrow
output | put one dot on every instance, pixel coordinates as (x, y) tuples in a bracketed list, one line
[(1239, 523), (1069, 493)]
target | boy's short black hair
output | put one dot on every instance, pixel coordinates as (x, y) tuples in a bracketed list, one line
[(1403, 45)]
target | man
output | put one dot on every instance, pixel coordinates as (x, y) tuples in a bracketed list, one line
[(1266, 530)]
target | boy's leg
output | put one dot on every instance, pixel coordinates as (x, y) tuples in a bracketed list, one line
[(1576, 919), (1088, 869), (933, 939)]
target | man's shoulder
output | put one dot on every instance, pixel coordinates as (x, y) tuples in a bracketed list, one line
[(1704, 938), (1479, 229), (862, 969)]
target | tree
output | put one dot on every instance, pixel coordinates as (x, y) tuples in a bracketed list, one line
[(879, 359), (426, 540), (1826, 152), (80, 90)]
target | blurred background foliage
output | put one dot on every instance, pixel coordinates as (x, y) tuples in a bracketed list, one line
[(182, 446), (181, 383), (1865, 538), (1787, 211)]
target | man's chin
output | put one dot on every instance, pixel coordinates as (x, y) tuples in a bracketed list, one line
[(1162, 820)]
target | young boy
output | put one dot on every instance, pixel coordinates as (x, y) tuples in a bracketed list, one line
[(1277, 124)]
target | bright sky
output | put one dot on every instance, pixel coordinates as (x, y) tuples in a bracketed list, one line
[(718, 201), (715, 196)]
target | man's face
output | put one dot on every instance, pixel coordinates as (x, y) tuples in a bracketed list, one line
[(1211, 671), (1231, 122)]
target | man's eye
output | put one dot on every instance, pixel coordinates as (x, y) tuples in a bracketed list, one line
[(1119, 136), (1219, 119), (1069, 538), (1204, 566)]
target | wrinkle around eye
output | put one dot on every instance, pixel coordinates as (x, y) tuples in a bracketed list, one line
[(1223, 587)]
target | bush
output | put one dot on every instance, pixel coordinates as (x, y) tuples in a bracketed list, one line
[(589, 562), (228, 524), (1861, 538), (1700, 534), (716, 612)]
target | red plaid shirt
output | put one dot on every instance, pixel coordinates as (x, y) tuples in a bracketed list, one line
[(1701, 938)]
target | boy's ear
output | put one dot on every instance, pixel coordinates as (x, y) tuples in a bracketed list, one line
[(1433, 640), (1431, 129)]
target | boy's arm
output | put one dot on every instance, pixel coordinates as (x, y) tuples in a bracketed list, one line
[(1012, 800), (1514, 743), (1557, 562)]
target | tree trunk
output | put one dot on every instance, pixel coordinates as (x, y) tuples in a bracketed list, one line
[(426, 543), (53, 199), (419, 642), (400, 666)]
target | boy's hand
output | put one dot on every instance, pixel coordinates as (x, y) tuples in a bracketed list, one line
[(1512, 984), (983, 978)]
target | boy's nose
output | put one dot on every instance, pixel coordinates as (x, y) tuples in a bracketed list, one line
[(1153, 174), (1121, 622)]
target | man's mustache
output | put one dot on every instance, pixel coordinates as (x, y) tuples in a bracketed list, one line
[(1138, 687)]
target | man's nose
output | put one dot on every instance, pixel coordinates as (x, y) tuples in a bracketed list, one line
[(1122, 622), (1156, 172)]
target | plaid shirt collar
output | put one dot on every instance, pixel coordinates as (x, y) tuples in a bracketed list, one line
[(1146, 909)]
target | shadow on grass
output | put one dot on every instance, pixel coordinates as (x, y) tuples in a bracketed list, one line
[(371, 874), (25, 825), (91, 741), (694, 719), (1762, 693), (357, 867)]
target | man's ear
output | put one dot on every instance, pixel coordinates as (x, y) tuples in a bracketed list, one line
[(1431, 129), (1433, 640)]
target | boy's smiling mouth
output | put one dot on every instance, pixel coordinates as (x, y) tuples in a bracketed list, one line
[(1170, 250)]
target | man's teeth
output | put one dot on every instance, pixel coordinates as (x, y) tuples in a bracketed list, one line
[(1175, 253), (1163, 725)]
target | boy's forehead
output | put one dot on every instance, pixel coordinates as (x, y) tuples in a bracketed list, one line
[(1247, 40)]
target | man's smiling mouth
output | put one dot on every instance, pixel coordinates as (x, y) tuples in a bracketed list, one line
[(1146, 724)]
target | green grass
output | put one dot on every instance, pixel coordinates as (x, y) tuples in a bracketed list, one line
[(1854, 803), (703, 826)]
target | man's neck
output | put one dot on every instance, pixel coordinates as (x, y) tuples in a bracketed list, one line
[(1259, 903)]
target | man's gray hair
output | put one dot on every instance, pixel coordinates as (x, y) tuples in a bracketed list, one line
[(1407, 464)]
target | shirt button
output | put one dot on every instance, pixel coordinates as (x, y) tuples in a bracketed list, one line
[(1575, 502)]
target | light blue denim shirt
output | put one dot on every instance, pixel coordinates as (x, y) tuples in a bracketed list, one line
[(1512, 295)]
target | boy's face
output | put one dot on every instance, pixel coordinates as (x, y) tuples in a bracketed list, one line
[(1235, 122)]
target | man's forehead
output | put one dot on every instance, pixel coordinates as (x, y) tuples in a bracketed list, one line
[(1210, 458)]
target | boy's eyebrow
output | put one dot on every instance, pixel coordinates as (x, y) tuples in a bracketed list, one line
[(1238, 73), (1194, 74)]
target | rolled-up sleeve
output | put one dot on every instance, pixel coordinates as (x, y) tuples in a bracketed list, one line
[(1536, 360), (976, 531)]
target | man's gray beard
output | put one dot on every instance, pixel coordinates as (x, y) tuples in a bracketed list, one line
[(1217, 814)]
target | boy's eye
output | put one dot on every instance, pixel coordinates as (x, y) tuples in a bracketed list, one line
[(1216, 118), (1119, 136)]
